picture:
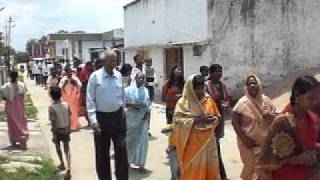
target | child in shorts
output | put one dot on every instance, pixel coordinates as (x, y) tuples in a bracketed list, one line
[(59, 115)]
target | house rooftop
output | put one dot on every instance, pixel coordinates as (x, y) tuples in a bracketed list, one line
[(76, 36), (131, 3), (110, 35)]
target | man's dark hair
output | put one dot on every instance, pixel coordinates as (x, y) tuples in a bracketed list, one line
[(204, 68), (55, 93), (213, 67), (136, 57)]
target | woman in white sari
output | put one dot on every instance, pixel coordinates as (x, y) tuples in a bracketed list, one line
[(137, 114)]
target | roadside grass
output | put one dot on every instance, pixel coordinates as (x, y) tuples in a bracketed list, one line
[(46, 172), (3, 160), (2, 115)]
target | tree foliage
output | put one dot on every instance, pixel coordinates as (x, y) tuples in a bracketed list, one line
[(62, 31), (28, 46), (21, 57), (5, 50)]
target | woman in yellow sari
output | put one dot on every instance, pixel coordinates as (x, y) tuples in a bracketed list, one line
[(196, 117)]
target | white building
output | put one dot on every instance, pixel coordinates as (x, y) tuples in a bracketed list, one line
[(171, 32), (269, 38), (85, 46)]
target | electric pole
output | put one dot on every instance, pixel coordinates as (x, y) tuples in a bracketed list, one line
[(8, 39)]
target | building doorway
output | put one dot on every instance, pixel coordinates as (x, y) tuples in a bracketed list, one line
[(174, 57)]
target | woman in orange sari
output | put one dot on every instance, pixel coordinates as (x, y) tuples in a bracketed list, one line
[(195, 119), (70, 86), (251, 119)]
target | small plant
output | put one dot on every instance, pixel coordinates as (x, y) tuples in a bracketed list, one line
[(31, 112), (2, 115), (3, 160)]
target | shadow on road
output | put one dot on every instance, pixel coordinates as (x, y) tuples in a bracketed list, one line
[(136, 174)]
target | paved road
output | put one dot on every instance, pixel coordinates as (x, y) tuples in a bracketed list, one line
[(82, 151)]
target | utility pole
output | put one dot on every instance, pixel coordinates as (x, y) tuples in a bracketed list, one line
[(5, 36), (9, 41)]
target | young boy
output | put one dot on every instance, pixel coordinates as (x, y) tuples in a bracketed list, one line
[(59, 115)]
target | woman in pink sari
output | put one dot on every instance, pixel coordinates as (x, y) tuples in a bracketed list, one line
[(13, 93), (251, 119), (70, 86)]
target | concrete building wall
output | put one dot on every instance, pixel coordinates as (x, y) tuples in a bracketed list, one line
[(157, 22), (76, 49), (267, 37), (86, 45), (192, 63), (59, 46)]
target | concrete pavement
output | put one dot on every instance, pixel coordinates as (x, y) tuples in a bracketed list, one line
[(82, 147)]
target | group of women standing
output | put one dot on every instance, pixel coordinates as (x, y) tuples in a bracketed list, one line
[(273, 145)]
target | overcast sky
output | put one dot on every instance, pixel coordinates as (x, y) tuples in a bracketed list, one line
[(34, 18)]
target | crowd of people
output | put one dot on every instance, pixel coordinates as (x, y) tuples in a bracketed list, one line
[(274, 144)]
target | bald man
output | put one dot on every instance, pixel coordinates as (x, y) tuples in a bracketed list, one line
[(105, 103)]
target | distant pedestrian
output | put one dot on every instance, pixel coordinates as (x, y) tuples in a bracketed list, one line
[(138, 60), (150, 77), (204, 71), (36, 70), (13, 93), (149, 72), (59, 115), (137, 111), (84, 78), (52, 80), (105, 101), (71, 86), (172, 91), (29, 68), (45, 74), (126, 70), (219, 93)]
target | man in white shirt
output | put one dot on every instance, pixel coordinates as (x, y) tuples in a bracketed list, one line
[(105, 101), (138, 60), (36, 71)]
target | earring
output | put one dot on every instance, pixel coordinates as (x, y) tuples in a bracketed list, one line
[(296, 100)]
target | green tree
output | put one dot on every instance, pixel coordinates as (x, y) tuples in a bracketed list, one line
[(62, 31), (43, 39), (21, 57), (78, 32), (5, 50), (28, 45)]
